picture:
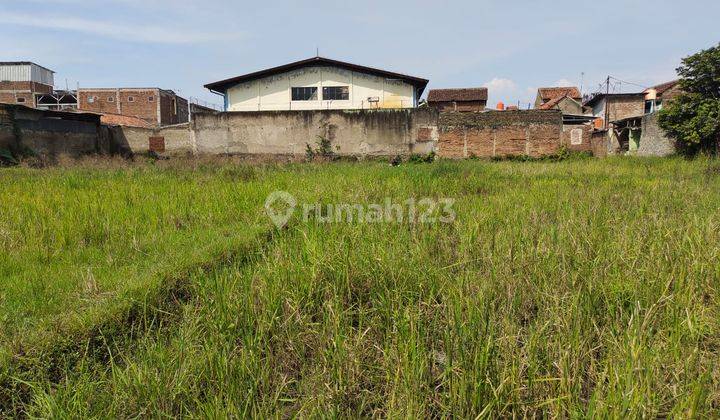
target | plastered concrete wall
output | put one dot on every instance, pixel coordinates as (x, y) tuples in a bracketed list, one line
[(363, 133), (50, 136), (378, 132), (177, 139), (273, 93), (7, 136), (59, 137), (500, 133)]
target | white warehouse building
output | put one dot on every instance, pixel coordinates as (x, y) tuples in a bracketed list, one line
[(319, 83)]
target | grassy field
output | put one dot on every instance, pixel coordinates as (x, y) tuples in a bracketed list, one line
[(568, 289)]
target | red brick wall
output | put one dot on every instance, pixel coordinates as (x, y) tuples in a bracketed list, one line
[(101, 102), (620, 108), (586, 145), (12, 98), (500, 133), (141, 103), (599, 143), (11, 91), (466, 106), (173, 113), (481, 141), (26, 86)]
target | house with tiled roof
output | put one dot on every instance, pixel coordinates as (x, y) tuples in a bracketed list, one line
[(566, 99), (461, 100), (656, 95)]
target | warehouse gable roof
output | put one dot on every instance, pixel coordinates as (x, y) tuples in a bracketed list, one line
[(223, 85)]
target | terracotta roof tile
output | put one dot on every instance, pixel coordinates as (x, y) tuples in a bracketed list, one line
[(664, 87), (459, 95), (550, 93)]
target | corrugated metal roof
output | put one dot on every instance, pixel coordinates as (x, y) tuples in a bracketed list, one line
[(23, 63)]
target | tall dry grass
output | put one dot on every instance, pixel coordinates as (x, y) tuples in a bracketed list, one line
[(572, 289)]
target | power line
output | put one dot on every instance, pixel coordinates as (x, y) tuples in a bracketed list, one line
[(629, 83)]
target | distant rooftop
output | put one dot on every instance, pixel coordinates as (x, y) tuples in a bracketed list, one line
[(458, 95), (664, 87), (550, 93), (170, 91), (598, 97)]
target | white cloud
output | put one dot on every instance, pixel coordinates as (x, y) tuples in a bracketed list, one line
[(150, 33), (509, 92), (501, 85), (564, 83)]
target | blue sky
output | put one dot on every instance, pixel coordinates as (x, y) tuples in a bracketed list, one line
[(513, 47)]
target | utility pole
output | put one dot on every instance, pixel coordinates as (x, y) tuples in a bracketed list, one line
[(607, 103)]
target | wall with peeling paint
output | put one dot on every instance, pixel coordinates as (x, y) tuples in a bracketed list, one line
[(273, 93), (368, 132)]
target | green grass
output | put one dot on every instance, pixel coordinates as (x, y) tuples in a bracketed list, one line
[(563, 289)]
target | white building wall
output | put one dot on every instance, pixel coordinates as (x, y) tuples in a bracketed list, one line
[(273, 93)]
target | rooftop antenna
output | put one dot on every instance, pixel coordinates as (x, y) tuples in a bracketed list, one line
[(317, 51), (582, 81)]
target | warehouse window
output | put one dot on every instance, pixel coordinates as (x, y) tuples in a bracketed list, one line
[(21, 100), (151, 99), (304, 94), (131, 99), (111, 99), (336, 93)]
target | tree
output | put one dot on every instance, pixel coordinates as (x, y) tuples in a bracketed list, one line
[(693, 118)]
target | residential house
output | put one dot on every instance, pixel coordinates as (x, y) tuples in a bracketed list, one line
[(566, 99), (655, 95), (461, 100), (616, 106), (635, 129), (157, 106), (319, 83)]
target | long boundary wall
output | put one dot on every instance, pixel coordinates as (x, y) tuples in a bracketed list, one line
[(363, 133), (379, 133)]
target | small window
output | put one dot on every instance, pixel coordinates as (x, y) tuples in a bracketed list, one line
[(649, 107), (304, 94), (21, 100), (131, 99), (91, 99), (111, 99), (336, 93), (151, 99)]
